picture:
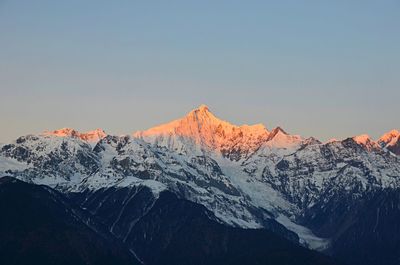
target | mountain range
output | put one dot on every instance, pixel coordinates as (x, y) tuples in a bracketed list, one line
[(200, 190)]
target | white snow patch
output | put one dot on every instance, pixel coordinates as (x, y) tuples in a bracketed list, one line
[(307, 237), (11, 164)]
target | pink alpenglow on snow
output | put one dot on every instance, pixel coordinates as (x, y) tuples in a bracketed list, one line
[(203, 128), (205, 131), (362, 139), (366, 141), (390, 138), (90, 136), (391, 141)]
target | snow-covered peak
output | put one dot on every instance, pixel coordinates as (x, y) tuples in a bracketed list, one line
[(203, 107), (391, 141), (90, 136), (278, 138), (389, 138), (362, 139), (64, 132), (366, 141), (276, 131), (93, 136), (204, 129)]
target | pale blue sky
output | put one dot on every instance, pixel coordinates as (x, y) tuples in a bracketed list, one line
[(321, 68)]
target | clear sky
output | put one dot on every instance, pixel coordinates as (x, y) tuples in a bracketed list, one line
[(322, 68)]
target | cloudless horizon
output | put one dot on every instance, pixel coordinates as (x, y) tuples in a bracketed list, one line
[(328, 69)]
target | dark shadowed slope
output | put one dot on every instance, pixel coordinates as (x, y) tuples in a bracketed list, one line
[(37, 226), (41, 226), (371, 232), (178, 231), (169, 230)]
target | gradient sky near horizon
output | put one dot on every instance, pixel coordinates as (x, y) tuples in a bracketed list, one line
[(328, 69)]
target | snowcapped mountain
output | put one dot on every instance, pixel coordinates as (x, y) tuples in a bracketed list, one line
[(391, 141), (90, 137), (200, 131), (247, 176)]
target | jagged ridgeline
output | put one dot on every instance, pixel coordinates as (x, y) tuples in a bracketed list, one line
[(338, 197)]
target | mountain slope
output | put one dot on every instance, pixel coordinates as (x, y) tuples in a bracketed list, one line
[(44, 227), (38, 226), (368, 229), (190, 236), (170, 230)]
